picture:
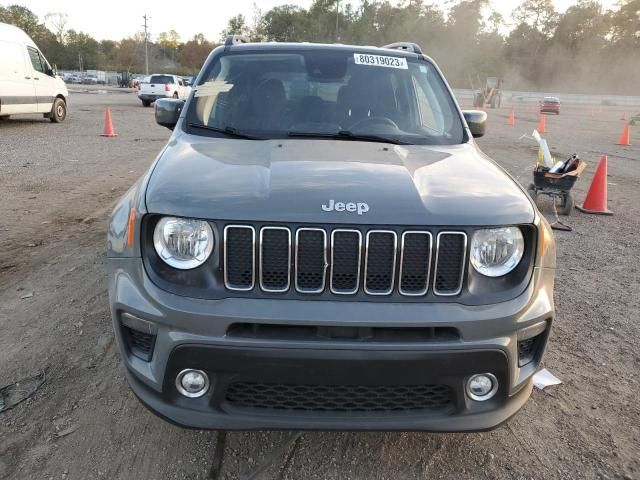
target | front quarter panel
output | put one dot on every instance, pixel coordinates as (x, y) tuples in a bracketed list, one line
[(118, 231)]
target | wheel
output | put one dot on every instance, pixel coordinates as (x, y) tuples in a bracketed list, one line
[(567, 204), (175, 95), (146, 103), (5, 117), (58, 111)]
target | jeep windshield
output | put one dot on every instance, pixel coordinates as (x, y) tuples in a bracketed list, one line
[(324, 93)]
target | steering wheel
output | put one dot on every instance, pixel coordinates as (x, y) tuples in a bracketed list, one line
[(375, 121)]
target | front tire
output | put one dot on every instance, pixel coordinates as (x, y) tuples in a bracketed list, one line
[(58, 111), (146, 103)]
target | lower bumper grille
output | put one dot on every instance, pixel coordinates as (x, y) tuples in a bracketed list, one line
[(140, 343), (339, 398)]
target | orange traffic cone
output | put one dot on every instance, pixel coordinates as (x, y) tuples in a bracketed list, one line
[(596, 200), (625, 137), (108, 127), (542, 125), (511, 119)]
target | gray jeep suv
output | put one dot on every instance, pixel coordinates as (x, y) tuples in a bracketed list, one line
[(322, 245)]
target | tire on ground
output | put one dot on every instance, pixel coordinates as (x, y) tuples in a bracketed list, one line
[(58, 111)]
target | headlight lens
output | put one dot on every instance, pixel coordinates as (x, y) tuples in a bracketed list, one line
[(183, 243), (496, 251)]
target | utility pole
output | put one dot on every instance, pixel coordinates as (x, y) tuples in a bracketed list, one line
[(146, 45), (337, 18)]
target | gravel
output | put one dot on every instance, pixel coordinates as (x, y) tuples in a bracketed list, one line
[(57, 187)]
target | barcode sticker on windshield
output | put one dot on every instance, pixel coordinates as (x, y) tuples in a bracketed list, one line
[(380, 61)]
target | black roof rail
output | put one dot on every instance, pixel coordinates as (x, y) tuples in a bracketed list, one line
[(407, 46), (235, 39)]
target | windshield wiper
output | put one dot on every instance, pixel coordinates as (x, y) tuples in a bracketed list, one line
[(230, 131), (347, 135)]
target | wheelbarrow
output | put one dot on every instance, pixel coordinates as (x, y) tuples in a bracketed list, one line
[(557, 186)]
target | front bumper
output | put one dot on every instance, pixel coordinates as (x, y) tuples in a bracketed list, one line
[(192, 333), (150, 98)]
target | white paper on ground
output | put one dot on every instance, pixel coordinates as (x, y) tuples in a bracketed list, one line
[(545, 378)]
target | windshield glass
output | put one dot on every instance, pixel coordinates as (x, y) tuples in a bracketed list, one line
[(161, 79), (325, 94)]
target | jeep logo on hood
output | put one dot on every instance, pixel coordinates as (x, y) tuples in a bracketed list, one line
[(359, 207)]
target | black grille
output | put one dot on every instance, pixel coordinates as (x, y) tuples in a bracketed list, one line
[(416, 259), (275, 259), (140, 343), (276, 254), (345, 260), (310, 260), (380, 262), (239, 257), (339, 398), (450, 263)]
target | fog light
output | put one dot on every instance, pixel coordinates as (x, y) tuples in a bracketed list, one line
[(482, 386), (192, 383)]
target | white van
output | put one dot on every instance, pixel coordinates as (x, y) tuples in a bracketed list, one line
[(28, 84)]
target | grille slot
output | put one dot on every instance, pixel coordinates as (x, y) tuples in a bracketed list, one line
[(311, 260), (451, 254), (275, 259), (346, 250), (415, 263), (339, 398), (140, 343), (239, 257), (380, 263)]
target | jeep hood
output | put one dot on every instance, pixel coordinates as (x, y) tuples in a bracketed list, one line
[(290, 181)]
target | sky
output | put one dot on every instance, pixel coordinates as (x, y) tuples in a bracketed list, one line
[(116, 19)]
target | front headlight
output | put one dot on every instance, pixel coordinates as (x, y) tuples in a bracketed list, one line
[(496, 251), (183, 243)]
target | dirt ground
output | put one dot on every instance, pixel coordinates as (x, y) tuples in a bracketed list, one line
[(57, 186)]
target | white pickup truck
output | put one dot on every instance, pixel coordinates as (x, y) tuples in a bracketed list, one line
[(162, 86)]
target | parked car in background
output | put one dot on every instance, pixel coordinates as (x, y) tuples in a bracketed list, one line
[(162, 86), (550, 105), (28, 83)]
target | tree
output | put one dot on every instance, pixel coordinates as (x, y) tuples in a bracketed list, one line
[(22, 18), (539, 14), (194, 53), (236, 26), (58, 22), (169, 43)]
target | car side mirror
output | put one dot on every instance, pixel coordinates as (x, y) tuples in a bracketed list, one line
[(477, 122), (167, 111), (54, 70)]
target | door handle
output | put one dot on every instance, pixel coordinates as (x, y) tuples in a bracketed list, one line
[(27, 78), (36, 78)]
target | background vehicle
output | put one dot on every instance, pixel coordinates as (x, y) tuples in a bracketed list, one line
[(162, 86), (489, 94), (28, 84), (550, 105)]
